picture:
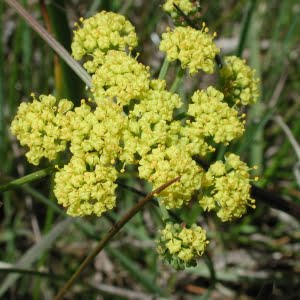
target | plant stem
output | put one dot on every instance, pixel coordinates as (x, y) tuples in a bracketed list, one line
[(110, 234), (26, 179), (177, 80), (164, 69), (164, 213), (245, 29)]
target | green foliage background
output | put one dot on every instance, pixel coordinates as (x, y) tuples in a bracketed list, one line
[(44, 247)]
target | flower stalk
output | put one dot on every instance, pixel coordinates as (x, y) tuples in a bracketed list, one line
[(164, 69)]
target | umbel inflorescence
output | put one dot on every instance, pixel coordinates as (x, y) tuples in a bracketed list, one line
[(129, 120)]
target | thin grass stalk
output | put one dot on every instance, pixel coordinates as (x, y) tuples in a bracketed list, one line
[(274, 52), (71, 86), (58, 78), (57, 47), (110, 234), (143, 278), (3, 144), (278, 119), (245, 29), (27, 52), (256, 112)]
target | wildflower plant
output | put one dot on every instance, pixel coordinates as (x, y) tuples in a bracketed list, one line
[(129, 120)]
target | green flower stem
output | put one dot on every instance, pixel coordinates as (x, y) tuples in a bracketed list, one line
[(211, 268), (181, 116), (164, 69), (177, 80), (164, 212), (26, 179), (110, 234)]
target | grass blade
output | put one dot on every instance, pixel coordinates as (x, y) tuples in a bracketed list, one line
[(68, 83), (57, 47), (26, 179), (35, 252), (245, 29)]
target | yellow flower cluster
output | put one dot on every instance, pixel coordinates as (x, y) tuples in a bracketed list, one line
[(227, 188), (151, 141), (187, 6), (213, 117), (98, 131), (103, 32), (181, 246), (120, 78), (149, 122), (163, 164), (185, 9), (193, 141), (194, 49), (130, 121), (43, 127), (240, 85), (86, 186)]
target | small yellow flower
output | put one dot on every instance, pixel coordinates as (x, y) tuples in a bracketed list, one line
[(193, 140), (181, 246), (190, 8), (120, 77), (156, 105), (163, 164), (150, 122), (99, 131), (86, 186), (213, 117), (99, 34), (158, 84), (218, 168), (207, 203), (239, 82), (42, 126), (173, 245), (195, 49), (185, 5), (227, 188)]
